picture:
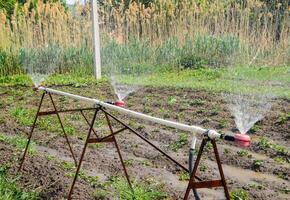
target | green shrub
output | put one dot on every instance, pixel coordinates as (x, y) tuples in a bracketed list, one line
[(239, 194), (9, 63), (215, 50)]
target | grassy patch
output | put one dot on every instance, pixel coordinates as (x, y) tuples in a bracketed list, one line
[(280, 151), (22, 115), (10, 191), (19, 142), (148, 190), (183, 176), (239, 194), (21, 80), (179, 143), (245, 79)]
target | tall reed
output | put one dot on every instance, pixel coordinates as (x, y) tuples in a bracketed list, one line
[(177, 26)]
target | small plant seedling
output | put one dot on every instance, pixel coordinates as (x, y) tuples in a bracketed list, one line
[(239, 194), (183, 176), (22, 115), (179, 143), (172, 100), (279, 160), (197, 102), (208, 146), (19, 142), (145, 163), (283, 118), (264, 143), (202, 168), (242, 153), (128, 162), (67, 165), (222, 124), (254, 129), (257, 164), (50, 157)]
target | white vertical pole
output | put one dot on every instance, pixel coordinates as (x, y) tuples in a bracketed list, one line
[(96, 39)]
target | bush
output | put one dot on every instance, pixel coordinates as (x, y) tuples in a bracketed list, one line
[(215, 50), (9, 63)]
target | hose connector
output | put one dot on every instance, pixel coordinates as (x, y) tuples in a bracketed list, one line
[(241, 140)]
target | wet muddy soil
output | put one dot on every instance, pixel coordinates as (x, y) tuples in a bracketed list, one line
[(263, 169)]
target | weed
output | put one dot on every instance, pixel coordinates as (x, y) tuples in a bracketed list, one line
[(67, 165), (179, 143), (208, 146), (50, 157), (222, 124), (145, 163), (242, 153), (283, 118), (257, 164), (264, 143), (202, 168), (142, 191), (183, 176), (22, 115), (197, 102), (239, 194), (19, 142), (172, 100), (10, 191), (254, 129), (129, 162), (285, 190), (279, 160), (226, 151)]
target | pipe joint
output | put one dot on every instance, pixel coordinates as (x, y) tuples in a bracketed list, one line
[(212, 134)]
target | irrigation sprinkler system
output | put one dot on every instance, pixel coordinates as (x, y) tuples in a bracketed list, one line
[(101, 107)]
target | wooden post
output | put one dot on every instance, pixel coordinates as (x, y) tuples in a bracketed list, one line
[(96, 39)]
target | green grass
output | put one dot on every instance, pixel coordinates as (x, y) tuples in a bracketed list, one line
[(248, 80), (18, 141), (10, 191), (239, 194), (25, 117), (142, 191), (22, 115), (179, 143), (236, 79)]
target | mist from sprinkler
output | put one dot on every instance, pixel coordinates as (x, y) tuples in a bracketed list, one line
[(248, 109), (122, 90), (40, 62)]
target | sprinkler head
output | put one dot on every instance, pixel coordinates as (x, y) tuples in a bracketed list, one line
[(120, 103), (242, 140)]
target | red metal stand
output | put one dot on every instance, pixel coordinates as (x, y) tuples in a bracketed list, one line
[(112, 138), (192, 184)]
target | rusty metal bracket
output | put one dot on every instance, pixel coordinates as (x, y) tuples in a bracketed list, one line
[(192, 184)]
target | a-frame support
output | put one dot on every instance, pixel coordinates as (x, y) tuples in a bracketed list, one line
[(192, 184), (111, 138)]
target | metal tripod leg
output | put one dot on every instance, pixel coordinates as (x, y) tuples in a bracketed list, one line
[(31, 131), (63, 130), (82, 155), (119, 152)]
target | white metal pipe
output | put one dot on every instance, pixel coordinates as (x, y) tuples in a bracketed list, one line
[(180, 126)]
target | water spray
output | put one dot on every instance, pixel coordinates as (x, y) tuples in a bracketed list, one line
[(106, 106)]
